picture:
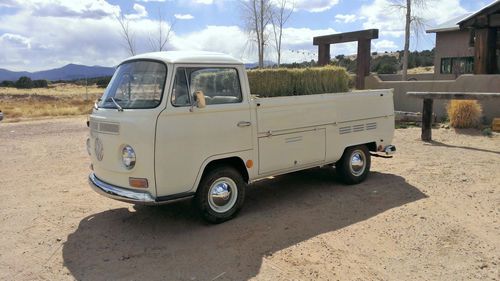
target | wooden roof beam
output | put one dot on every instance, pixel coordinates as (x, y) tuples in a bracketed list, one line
[(346, 37)]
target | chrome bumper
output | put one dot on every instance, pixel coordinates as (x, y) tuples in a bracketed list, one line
[(120, 193)]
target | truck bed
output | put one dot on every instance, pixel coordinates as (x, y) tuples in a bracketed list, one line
[(293, 112)]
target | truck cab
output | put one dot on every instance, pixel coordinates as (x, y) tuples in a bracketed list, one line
[(175, 125)]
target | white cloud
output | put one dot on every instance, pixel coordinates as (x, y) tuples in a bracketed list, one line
[(384, 45), (315, 6), (226, 39), (146, 1), (8, 3), (345, 18), (383, 15), (15, 40), (140, 12), (66, 8), (184, 16), (44, 34), (205, 2)]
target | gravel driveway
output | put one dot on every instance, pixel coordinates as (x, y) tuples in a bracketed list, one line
[(431, 213)]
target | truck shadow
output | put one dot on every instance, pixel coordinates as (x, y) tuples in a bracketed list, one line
[(172, 243)]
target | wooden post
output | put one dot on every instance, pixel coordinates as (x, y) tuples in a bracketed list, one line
[(427, 120), (484, 49), (323, 54), (364, 56)]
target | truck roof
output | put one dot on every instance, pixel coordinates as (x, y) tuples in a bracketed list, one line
[(197, 57)]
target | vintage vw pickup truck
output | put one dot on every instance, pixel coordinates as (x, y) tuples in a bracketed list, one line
[(173, 125)]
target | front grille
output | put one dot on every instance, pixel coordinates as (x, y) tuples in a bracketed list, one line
[(105, 127)]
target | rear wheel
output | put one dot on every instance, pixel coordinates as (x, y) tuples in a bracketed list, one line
[(354, 165), (220, 194)]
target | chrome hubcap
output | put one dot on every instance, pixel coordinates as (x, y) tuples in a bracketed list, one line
[(358, 163), (222, 195)]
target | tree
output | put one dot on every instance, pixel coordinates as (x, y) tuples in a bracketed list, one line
[(40, 83), (159, 41), (127, 34), (24, 82), (257, 16), (280, 16), (103, 82), (7, 83), (411, 21)]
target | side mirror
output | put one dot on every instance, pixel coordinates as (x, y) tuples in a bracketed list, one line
[(200, 99)]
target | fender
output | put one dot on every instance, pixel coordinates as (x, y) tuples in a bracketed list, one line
[(243, 155)]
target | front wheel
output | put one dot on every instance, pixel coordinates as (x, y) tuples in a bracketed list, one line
[(220, 194), (354, 165)]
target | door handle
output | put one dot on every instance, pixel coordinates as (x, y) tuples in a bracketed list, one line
[(244, 124)]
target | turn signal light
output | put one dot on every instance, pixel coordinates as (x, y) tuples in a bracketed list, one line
[(249, 164), (138, 182)]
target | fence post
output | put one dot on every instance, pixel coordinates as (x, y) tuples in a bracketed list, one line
[(427, 119)]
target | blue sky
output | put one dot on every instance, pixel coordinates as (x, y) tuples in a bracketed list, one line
[(43, 34)]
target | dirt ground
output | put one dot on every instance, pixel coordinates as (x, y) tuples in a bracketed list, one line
[(430, 213)]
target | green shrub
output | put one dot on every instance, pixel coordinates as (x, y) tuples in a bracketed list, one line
[(290, 82), (487, 132)]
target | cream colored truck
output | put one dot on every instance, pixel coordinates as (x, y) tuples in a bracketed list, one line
[(174, 125)]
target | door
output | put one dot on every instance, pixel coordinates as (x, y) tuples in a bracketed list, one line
[(187, 135)]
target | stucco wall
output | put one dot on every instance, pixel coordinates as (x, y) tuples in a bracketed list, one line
[(464, 83), (451, 44)]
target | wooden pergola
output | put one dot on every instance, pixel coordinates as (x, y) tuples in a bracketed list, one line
[(363, 37)]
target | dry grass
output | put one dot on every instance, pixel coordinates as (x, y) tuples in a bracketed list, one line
[(59, 100), (464, 113)]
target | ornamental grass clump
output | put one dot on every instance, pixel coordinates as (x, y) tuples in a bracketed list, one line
[(464, 113), (291, 82)]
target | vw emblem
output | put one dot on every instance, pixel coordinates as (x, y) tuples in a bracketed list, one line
[(99, 149)]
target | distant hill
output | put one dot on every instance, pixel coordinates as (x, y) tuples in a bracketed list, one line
[(77, 72), (267, 63), (68, 72)]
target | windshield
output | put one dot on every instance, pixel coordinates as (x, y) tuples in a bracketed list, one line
[(135, 85)]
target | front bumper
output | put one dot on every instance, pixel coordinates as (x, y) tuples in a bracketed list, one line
[(120, 193)]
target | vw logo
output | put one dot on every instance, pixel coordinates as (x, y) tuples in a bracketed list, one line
[(99, 149)]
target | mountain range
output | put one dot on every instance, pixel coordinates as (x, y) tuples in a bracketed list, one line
[(67, 72), (74, 72)]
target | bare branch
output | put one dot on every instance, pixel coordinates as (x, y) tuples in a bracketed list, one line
[(257, 15), (158, 42), (127, 35), (280, 15)]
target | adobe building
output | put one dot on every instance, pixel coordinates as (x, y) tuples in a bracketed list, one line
[(469, 44)]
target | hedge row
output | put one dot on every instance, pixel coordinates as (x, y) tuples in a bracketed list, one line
[(291, 82)]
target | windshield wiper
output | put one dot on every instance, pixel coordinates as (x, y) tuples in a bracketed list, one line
[(118, 107)]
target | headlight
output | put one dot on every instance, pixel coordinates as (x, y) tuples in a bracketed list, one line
[(88, 146), (128, 157)]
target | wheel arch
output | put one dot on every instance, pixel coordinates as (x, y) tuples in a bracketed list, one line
[(372, 146), (235, 161)]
